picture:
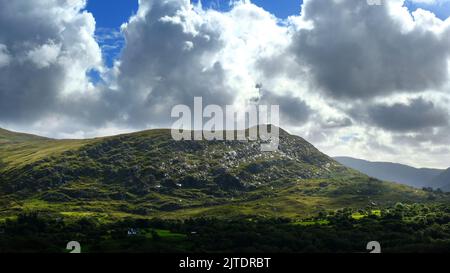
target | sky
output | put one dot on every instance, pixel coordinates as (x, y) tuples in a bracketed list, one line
[(110, 15), (354, 79)]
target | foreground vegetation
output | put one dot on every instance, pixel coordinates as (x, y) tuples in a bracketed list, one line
[(402, 228)]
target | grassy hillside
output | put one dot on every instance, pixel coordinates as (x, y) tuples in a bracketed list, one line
[(8, 137), (203, 196), (18, 150), (147, 174)]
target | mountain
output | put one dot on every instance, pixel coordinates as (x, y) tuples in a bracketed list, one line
[(144, 192), (392, 171), (150, 174), (7, 137), (442, 181)]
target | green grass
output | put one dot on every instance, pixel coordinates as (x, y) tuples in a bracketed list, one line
[(359, 216), (287, 201), (135, 175), (167, 234), (21, 154)]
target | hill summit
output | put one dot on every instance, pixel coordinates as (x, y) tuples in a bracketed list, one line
[(149, 173)]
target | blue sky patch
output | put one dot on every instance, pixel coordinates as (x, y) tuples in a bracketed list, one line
[(441, 9)]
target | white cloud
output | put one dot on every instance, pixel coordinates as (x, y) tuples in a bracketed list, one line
[(45, 55), (49, 46), (198, 53), (321, 66)]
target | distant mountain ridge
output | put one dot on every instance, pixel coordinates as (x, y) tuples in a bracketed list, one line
[(399, 173), (442, 181)]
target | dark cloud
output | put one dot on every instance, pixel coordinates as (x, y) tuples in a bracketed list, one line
[(293, 111), (419, 114), (356, 50), (28, 93), (430, 139), (169, 59)]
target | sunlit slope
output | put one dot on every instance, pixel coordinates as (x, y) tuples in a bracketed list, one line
[(19, 150), (149, 174)]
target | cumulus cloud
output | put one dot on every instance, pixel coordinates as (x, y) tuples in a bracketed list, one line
[(156, 74), (44, 55), (356, 50), (46, 48), (354, 79), (197, 53)]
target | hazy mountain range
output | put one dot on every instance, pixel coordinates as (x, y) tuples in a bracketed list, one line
[(387, 171)]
